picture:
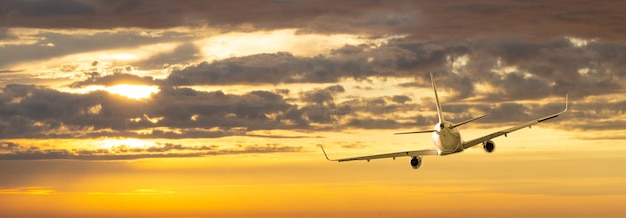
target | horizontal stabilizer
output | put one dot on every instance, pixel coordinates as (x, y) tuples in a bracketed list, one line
[(414, 132), (467, 121)]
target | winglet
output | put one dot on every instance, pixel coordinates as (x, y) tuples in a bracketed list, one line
[(566, 102), (325, 155), (432, 79)]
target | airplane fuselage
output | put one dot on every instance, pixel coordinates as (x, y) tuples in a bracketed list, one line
[(446, 139)]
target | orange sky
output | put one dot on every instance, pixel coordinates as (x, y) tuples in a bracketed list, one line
[(198, 109)]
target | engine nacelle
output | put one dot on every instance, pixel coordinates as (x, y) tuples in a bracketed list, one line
[(489, 146), (416, 162)]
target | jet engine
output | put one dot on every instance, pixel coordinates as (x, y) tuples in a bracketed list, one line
[(489, 146), (416, 162)]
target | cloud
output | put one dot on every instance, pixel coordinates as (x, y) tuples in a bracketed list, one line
[(48, 9), (124, 152), (479, 59), (27, 191), (174, 112), (114, 79), (5, 34), (183, 54), (8, 71), (271, 69), (425, 20), (517, 69), (30, 111), (68, 42)]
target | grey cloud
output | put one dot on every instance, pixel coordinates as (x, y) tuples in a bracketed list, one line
[(424, 20), (507, 112), (8, 71), (8, 146), (321, 106), (36, 112), (380, 112), (65, 44), (53, 108), (5, 34), (114, 79), (595, 115), (404, 59), (323, 96), (554, 67), (183, 54), (400, 99), (48, 8), (123, 152), (271, 69), (369, 123), (543, 69), (163, 14)]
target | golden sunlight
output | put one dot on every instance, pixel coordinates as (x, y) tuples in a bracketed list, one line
[(289, 40), (133, 91), (124, 142)]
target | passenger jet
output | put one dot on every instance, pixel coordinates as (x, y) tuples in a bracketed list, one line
[(447, 139)]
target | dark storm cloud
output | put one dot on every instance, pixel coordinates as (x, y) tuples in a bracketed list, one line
[(450, 19), (272, 69), (14, 151), (51, 8), (541, 69), (557, 67), (163, 14)]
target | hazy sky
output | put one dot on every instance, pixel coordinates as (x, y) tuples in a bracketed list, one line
[(208, 108)]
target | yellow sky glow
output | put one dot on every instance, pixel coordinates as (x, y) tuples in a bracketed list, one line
[(255, 152)]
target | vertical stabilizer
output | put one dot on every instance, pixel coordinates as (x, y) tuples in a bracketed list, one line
[(432, 79)]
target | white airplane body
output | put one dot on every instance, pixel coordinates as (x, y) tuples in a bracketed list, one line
[(447, 139)]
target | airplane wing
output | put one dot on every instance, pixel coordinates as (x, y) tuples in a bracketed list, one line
[(485, 138), (389, 155)]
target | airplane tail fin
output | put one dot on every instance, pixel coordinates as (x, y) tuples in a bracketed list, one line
[(439, 112), (441, 120)]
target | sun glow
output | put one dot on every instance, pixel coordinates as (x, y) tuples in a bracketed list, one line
[(126, 143), (126, 90), (248, 43), (133, 91)]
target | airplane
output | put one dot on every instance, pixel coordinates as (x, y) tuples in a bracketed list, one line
[(447, 139)]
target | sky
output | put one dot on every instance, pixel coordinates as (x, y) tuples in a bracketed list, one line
[(217, 108)]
